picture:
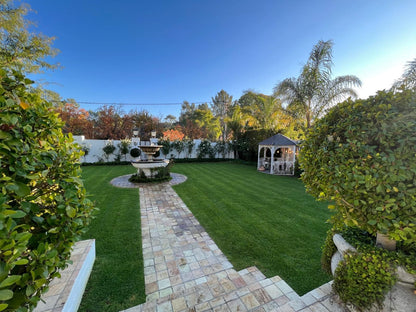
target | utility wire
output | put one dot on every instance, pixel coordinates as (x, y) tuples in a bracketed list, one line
[(134, 104)]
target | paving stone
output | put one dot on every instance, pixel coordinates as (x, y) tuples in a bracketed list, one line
[(250, 301), (236, 305)]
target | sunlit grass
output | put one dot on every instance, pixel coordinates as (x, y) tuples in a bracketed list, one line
[(117, 280), (259, 219)]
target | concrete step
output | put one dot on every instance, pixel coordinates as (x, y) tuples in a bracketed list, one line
[(245, 290)]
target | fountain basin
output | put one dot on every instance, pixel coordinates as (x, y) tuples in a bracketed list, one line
[(147, 166)]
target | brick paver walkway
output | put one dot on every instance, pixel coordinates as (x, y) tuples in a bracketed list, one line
[(186, 271)]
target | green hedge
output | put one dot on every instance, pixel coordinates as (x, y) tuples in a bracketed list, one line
[(361, 157), (43, 204)]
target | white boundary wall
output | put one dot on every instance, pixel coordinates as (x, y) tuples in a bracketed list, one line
[(96, 152)]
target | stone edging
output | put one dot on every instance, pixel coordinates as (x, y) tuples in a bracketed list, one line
[(123, 181)]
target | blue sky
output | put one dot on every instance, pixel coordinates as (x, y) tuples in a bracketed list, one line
[(134, 51)]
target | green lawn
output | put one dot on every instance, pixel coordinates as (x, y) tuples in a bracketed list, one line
[(259, 219), (117, 280), (256, 219)]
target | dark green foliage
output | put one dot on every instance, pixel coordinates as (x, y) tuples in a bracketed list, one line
[(328, 250), (43, 203), (361, 156), (221, 148), (109, 148), (123, 147), (298, 170), (190, 146), (135, 152), (363, 279), (178, 145), (166, 146), (205, 149), (247, 146)]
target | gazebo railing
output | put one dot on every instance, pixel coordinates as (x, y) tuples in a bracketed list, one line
[(283, 167)]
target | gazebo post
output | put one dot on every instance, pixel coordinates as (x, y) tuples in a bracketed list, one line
[(258, 157)]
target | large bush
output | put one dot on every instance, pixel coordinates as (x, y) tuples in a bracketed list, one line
[(43, 205), (362, 157)]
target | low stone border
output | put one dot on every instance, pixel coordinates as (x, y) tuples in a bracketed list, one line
[(65, 293), (123, 181)]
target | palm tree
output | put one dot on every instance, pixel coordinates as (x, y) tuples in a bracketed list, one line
[(314, 90), (408, 79)]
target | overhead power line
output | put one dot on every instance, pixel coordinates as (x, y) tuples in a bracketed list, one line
[(133, 104)]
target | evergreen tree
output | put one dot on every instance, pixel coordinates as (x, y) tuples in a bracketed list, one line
[(221, 108)]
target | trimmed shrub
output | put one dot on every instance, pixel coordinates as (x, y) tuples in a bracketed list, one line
[(135, 152), (43, 203), (361, 157)]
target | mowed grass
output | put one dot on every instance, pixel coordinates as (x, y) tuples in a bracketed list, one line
[(117, 279), (259, 220)]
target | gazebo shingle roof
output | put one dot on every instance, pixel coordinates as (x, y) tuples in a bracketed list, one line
[(279, 140)]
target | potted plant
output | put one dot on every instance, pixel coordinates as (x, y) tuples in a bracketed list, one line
[(108, 149)]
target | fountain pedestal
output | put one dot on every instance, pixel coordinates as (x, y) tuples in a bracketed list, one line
[(147, 166)]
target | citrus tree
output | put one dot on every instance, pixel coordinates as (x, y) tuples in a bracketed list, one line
[(361, 157), (43, 204)]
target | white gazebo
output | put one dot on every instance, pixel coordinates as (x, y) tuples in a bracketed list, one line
[(277, 155)]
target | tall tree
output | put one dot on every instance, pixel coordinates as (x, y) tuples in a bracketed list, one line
[(237, 122), (221, 105), (208, 122), (408, 78), (314, 90), (20, 48)]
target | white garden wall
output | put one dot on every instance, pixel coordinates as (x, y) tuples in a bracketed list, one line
[(96, 152)]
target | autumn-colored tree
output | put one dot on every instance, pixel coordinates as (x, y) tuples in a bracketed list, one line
[(173, 135), (111, 123), (75, 118), (145, 123)]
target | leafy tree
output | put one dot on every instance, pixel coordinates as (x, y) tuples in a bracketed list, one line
[(76, 119), (237, 122), (315, 90), (198, 122), (111, 123), (207, 121), (21, 49), (173, 135), (265, 113), (221, 105), (43, 204), (146, 123), (361, 157), (170, 120), (249, 98)]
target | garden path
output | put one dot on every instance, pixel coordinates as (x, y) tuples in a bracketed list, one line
[(186, 271)]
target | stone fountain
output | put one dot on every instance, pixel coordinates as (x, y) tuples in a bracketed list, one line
[(147, 166)]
